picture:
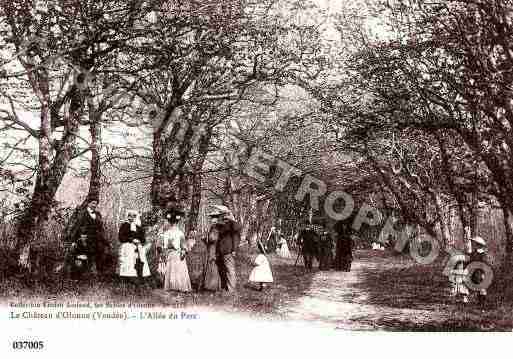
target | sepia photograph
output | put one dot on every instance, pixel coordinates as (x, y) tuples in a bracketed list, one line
[(258, 169)]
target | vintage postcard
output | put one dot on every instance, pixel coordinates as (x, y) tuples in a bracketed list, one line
[(202, 175)]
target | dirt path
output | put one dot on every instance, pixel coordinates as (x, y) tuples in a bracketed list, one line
[(379, 293), (383, 291)]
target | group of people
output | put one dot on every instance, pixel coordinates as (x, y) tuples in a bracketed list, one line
[(89, 252), (276, 243), (222, 242), (317, 243), (89, 247)]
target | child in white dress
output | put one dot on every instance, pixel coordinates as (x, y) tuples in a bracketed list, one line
[(261, 273), (457, 277)]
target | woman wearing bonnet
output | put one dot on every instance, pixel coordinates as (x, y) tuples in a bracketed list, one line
[(132, 252)]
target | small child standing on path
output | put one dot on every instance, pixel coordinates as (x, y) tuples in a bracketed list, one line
[(457, 279), (458, 275), (261, 273)]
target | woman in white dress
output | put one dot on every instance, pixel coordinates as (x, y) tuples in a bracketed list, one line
[(132, 252), (283, 248), (172, 250), (261, 273)]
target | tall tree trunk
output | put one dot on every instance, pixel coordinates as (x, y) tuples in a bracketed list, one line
[(50, 173), (508, 225), (463, 210), (157, 183), (250, 220), (444, 229), (192, 220), (72, 229), (40, 203), (508, 228), (504, 274), (171, 150), (197, 167), (95, 168)]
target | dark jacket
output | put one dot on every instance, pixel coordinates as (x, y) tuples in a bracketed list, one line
[(343, 228), (81, 248), (94, 229), (345, 247), (126, 235), (229, 237), (309, 241)]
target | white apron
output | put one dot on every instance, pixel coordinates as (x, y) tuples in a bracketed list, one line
[(127, 258)]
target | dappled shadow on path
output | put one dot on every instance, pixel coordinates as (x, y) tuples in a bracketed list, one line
[(385, 292), (399, 283), (416, 298)]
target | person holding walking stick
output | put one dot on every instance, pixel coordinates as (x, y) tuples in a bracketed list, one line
[(307, 240)]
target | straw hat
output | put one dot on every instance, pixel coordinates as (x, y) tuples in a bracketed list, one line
[(479, 240), (220, 210)]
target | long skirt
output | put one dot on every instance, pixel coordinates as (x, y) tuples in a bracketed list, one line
[(177, 274), (127, 260), (283, 251), (211, 279), (325, 259), (226, 265), (344, 263)]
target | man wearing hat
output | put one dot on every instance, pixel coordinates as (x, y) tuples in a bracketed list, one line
[(229, 238), (91, 224), (308, 241)]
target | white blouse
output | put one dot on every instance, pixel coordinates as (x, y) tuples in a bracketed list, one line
[(172, 238)]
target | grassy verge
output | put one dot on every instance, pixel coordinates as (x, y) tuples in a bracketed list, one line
[(290, 282)]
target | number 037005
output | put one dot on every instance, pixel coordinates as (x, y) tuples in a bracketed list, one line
[(28, 345)]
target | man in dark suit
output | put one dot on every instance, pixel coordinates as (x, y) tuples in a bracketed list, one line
[(91, 223), (226, 247), (309, 243)]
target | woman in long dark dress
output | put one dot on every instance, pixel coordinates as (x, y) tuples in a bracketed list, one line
[(344, 256), (325, 252), (211, 279), (344, 250)]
